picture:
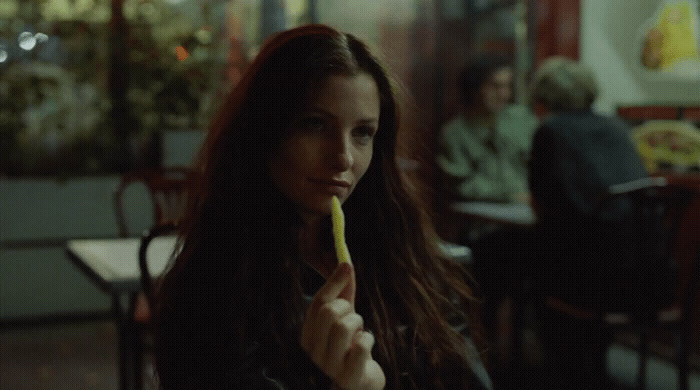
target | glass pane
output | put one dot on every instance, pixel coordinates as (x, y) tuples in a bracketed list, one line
[(53, 96), (84, 91)]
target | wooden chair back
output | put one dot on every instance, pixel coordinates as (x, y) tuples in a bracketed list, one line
[(656, 210), (661, 212), (168, 188)]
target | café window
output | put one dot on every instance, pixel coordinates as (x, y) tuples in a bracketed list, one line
[(87, 90), (53, 100), (91, 86)]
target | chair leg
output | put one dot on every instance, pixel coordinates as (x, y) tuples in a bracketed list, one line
[(643, 351), (138, 359), (136, 345), (125, 382), (683, 359)]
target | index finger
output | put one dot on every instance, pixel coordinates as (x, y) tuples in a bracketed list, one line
[(341, 284)]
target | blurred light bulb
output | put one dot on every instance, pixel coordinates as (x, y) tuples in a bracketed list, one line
[(203, 35), (26, 40), (41, 37), (181, 53)]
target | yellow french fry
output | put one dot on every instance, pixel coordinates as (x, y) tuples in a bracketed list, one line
[(338, 219)]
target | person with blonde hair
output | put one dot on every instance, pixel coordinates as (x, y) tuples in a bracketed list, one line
[(577, 154), (561, 84)]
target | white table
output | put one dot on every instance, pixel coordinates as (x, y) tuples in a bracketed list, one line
[(113, 265), (113, 262), (505, 213)]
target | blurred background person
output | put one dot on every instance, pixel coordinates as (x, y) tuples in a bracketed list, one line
[(483, 152), (482, 156), (576, 156)]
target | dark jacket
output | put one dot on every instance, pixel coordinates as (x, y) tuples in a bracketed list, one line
[(576, 157), (198, 353)]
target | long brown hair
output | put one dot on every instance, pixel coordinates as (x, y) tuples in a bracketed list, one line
[(239, 274)]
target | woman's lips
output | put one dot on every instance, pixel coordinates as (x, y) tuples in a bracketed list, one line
[(332, 186)]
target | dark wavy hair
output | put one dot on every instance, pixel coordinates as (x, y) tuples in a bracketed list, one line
[(476, 72), (237, 278)]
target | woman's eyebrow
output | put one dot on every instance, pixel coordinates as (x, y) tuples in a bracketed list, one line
[(319, 110), (368, 121)]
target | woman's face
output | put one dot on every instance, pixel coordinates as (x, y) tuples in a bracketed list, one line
[(329, 147), (497, 90)]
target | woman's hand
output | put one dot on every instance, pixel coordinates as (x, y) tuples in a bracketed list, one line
[(333, 335)]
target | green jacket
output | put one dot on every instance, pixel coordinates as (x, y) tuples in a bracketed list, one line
[(478, 164)]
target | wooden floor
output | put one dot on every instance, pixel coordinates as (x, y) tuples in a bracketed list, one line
[(60, 357), (83, 356)]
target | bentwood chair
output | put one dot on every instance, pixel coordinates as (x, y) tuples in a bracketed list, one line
[(168, 190), (149, 281), (658, 210)]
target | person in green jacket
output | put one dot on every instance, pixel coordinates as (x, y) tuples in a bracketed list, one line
[(483, 151)]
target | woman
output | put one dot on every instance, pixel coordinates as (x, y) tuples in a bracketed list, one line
[(483, 151), (313, 117)]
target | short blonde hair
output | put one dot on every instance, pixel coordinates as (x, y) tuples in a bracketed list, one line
[(563, 84)]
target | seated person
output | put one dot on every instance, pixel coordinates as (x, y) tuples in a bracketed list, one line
[(576, 155), (257, 298), (483, 152)]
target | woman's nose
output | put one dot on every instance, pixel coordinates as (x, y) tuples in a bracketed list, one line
[(341, 154)]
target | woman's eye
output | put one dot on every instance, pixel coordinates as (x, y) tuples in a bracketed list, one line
[(364, 134), (312, 123)]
